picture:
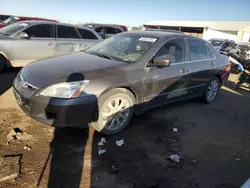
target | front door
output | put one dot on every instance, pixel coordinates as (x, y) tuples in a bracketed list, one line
[(166, 84), (39, 44)]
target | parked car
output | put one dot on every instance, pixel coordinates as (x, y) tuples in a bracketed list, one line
[(24, 42), (14, 19), (125, 74), (4, 17), (218, 44), (107, 30)]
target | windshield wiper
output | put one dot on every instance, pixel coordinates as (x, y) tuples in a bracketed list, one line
[(101, 55)]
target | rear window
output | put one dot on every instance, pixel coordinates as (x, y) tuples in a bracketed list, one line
[(86, 34)]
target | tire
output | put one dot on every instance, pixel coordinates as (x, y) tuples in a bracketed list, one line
[(212, 90), (2, 63), (108, 121), (237, 85)]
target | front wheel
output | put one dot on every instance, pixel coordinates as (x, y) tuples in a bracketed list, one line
[(212, 90), (115, 111)]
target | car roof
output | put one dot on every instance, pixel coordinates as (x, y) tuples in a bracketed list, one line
[(56, 23), (157, 34)]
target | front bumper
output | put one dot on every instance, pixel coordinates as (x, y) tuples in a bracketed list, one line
[(78, 112)]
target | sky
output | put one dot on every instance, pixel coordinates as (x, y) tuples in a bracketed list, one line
[(129, 12)]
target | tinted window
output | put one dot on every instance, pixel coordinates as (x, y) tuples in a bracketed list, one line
[(40, 31), (118, 30), (197, 50), (86, 34), (110, 30), (173, 48), (67, 32), (231, 44), (99, 30)]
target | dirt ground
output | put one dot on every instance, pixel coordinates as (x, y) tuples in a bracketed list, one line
[(212, 140)]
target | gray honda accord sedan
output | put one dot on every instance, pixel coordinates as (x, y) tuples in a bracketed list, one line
[(129, 73)]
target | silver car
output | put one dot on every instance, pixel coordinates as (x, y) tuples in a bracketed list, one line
[(24, 42)]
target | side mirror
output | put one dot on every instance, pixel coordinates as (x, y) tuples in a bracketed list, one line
[(23, 35), (162, 62)]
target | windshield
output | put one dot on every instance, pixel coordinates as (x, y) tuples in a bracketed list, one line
[(13, 28), (10, 20), (124, 47), (216, 42)]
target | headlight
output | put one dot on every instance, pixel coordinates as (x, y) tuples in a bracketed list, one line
[(65, 89)]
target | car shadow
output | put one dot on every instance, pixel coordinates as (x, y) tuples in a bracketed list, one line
[(6, 79)]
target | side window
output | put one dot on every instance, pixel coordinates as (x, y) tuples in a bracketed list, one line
[(118, 30), (231, 44), (225, 45), (110, 30), (40, 31), (67, 32), (197, 50), (210, 53), (86, 34), (174, 48), (99, 30)]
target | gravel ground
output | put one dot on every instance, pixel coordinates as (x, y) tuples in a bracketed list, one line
[(212, 140)]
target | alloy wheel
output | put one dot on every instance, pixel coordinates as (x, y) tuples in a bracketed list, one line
[(115, 113), (212, 90)]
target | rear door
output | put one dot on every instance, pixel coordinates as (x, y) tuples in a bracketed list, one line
[(40, 44), (89, 38), (166, 84), (67, 40), (202, 62)]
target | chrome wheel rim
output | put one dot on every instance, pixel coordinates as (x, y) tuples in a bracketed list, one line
[(212, 90), (115, 113)]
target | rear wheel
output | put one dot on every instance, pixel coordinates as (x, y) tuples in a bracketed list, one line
[(2, 63), (212, 90), (115, 111)]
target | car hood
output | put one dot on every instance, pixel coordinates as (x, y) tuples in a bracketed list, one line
[(65, 68)]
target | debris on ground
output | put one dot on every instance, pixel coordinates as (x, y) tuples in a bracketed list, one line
[(101, 143), (120, 142), (175, 129), (27, 147), (18, 134), (175, 158), (115, 169), (10, 167), (101, 151), (237, 159)]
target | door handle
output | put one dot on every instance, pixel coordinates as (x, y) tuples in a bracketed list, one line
[(212, 64), (185, 71)]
